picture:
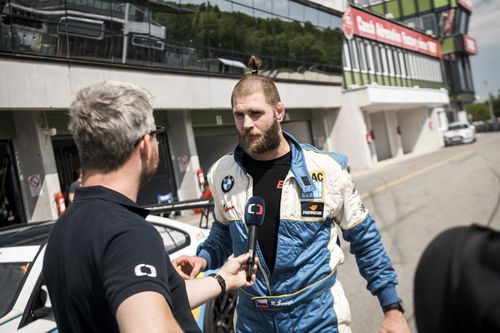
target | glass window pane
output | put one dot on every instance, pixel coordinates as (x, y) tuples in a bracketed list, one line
[(296, 11), (383, 55), (402, 63), (324, 20), (370, 56), (311, 15), (346, 57), (354, 49), (391, 61), (280, 7)]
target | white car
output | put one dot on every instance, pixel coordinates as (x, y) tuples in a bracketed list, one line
[(24, 303), (459, 132)]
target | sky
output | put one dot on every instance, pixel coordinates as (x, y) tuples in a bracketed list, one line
[(484, 26)]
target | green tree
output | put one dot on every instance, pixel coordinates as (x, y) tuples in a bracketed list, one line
[(479, 111)]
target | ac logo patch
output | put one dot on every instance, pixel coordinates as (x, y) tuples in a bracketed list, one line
[(318, 178), (312, 209)]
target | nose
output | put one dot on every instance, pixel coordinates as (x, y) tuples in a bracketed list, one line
[(247, 123)]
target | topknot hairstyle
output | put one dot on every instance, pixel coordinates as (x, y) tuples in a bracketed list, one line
[(255, 64), (255, 82)]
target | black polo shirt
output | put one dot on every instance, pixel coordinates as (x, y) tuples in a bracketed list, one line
[(100, 252)]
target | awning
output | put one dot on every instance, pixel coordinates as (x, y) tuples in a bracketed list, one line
[(233, 63)]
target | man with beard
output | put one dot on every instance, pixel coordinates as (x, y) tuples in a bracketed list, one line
[(307, 193), (105, 267)]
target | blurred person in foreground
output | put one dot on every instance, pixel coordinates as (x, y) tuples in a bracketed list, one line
[(457, 282), (307, 193), (105, 267)]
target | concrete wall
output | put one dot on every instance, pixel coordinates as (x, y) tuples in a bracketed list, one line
[(210, 149), (379, 127), (348, 133), (171, 91), (36, 165), (392, 124), (419, 130), (184, 154)]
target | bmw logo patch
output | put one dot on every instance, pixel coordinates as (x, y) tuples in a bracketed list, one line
[(227, 184)]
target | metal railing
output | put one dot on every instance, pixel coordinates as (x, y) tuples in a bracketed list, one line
[(205, 205)]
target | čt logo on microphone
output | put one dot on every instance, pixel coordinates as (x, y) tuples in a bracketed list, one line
[(256, 209)]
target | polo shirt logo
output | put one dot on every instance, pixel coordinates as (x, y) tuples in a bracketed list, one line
[(145, 270)]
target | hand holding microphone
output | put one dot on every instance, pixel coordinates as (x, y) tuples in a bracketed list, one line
[(254, 216)]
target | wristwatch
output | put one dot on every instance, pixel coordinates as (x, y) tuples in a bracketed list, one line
[(220, 280), (394, 306)]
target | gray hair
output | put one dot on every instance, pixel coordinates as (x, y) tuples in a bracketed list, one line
[(106, 120)]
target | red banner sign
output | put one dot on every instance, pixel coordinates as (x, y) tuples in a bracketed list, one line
[(357, 22), (470, 44)]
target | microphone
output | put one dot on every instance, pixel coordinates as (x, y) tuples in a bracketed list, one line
[(254, 216)]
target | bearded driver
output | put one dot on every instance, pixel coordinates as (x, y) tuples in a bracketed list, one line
[(306, 193)]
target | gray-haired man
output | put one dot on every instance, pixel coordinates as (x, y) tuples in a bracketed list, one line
[(105, 266)]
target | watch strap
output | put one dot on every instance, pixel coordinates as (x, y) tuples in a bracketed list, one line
[(394, 306), (220, 280)]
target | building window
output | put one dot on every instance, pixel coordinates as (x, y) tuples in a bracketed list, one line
[(354, 49), (402, 63), (391, 62), (369, 57), (429, 23), (378, 64), (383, 54), (346, 57), (362, 55)]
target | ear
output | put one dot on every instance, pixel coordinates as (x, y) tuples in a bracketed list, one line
[(280, 111), (145, 147)]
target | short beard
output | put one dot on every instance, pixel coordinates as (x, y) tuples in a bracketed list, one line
[(269, 140), (148, 173)]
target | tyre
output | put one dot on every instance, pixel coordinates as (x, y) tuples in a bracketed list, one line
[(219, 313)]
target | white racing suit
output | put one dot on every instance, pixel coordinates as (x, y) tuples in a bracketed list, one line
[(302, 294)]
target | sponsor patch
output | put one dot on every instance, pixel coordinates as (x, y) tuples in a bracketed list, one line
[(227, 184), (312, 209), (261, 303), (318, 178)]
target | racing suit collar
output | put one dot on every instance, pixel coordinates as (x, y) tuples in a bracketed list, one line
[(298, 167)]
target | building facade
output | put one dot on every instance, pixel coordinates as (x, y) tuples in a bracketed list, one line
[(365, 97), (447, 20)]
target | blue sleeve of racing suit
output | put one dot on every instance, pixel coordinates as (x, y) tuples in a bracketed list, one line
[(372, 259), (217, 247)]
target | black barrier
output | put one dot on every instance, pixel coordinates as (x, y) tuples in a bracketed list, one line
[(206, 206)]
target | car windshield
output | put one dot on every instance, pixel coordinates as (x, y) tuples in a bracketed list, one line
[(457, 126), (11, 276)]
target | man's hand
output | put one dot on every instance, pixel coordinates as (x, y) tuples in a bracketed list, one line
[(188, 267), (394, 322), (234, 272)]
